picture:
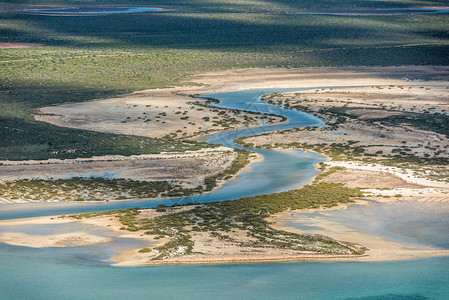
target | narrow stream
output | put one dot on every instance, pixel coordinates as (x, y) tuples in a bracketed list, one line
[(279, 171)]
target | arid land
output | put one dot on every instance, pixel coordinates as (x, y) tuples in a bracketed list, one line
[(154, 113), (380, 145), (333, 242)]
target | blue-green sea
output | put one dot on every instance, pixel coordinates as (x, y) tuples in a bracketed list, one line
[(32, 274)]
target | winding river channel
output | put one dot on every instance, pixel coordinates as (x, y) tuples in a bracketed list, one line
[(85, 272)]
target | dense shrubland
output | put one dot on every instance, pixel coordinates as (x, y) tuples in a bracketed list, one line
[(112, 55)]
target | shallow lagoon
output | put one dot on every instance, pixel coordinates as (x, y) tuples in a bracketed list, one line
[(68, 274), (405, 221)]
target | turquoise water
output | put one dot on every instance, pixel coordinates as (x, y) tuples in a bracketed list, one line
[(33, 274), (407, 221), (118, 10), (85, 273)]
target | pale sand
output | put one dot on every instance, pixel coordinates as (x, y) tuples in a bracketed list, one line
[(260, 78), (404, 174), (219, 251), (18, 45), (129, 258), (72, 239), (152, 113), (407, 95), (370, 180), (164, 155), (108, 115)]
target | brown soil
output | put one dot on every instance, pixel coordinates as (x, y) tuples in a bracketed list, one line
[(369, 179)]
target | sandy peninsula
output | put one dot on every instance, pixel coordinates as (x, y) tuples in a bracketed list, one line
[(52, 179), (72, 239)]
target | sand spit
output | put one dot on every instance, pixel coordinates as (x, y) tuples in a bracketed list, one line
[(211, 250), (153, 113), (72, 239), (187, 169)]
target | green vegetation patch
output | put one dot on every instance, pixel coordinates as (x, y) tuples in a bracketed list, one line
[(238, 164), (23, 139), (91, 189), (248, 214)]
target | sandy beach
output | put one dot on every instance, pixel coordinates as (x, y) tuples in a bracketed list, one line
[(73, 239)]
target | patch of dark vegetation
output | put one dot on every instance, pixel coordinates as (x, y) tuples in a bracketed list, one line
[(241, 161), (23, 139), (247, 214), (101, 189), (92, 189)]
